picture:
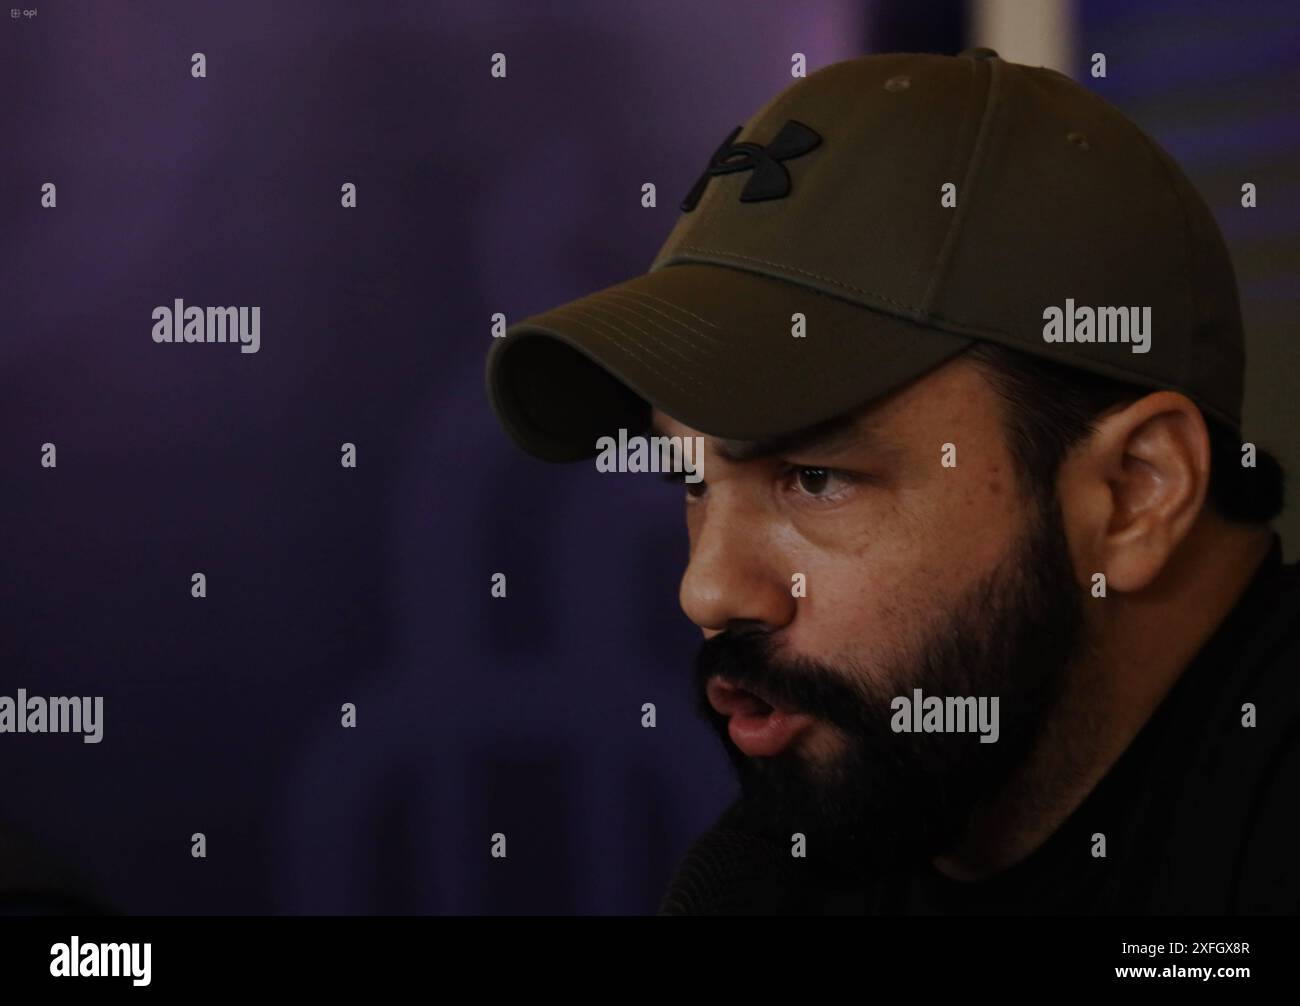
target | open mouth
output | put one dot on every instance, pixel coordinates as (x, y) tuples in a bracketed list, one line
[(755, 726)]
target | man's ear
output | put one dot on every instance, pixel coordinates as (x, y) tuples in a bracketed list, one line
[(1132, 491)]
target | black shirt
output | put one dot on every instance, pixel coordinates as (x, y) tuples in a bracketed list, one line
[(1200, 814)]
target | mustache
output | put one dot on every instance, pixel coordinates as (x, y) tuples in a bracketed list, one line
[(749, 660)]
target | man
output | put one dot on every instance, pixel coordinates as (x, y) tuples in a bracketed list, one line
[(994, 618)]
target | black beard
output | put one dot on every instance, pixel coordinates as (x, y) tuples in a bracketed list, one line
[(893, 799)]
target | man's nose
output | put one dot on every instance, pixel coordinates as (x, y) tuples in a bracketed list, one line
[(732, 577)]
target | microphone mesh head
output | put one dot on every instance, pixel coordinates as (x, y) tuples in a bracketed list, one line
[(730, 872)]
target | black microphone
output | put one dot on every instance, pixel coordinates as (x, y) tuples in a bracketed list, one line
[(740, 868), (727, 871)]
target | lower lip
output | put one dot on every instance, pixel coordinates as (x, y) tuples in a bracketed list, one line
[(763, 735)]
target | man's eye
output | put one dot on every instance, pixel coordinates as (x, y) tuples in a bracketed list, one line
[(813, 481), (818, 483), (693, 489)]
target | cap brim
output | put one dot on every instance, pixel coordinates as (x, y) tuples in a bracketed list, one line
[(711, 346)]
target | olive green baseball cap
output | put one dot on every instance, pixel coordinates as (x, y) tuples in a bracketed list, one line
[(871, 222)]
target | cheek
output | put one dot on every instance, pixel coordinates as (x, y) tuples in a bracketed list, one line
[(891, 576)]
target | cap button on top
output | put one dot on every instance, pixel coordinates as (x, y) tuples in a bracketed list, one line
[(978, 53)]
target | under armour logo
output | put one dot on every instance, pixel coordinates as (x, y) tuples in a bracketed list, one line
[(770, 180)]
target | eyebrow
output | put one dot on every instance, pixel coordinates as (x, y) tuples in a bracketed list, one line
[(830, 435)]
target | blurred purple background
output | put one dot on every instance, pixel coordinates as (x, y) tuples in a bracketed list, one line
[(371, 586)]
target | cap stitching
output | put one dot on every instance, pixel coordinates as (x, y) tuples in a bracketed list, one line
[(949, 246), (835, 326), (665, 314), (856, 351), (614, 329), (675, 335), (637, 356), (802, 272), (613, 307), (809, 376), (798, 386)]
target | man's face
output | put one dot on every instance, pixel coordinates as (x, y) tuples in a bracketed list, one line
[(833, 576)]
